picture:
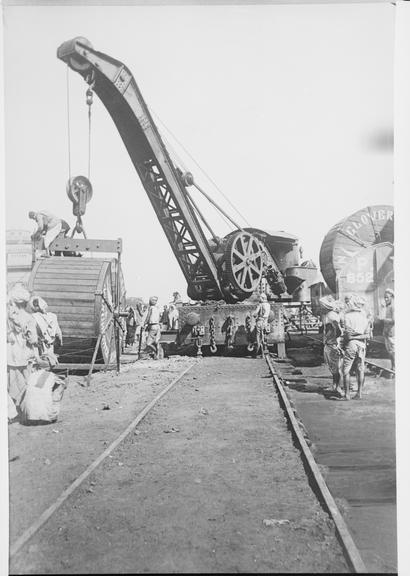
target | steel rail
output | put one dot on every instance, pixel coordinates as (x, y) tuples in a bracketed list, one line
[(349, 547), (35, 527)]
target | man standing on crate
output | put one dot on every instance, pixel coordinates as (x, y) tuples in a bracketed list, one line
[(153, 327), (332, 352), (356, 332)]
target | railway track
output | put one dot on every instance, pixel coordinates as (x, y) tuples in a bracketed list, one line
[(350, 548), (94, 470)]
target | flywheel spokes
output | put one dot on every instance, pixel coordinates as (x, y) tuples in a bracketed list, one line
[(244, 262)]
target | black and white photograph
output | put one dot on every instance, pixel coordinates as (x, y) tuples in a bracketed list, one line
[(199, 289)]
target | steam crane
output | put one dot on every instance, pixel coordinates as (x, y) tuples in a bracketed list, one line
[(221, 273), (229, 268)]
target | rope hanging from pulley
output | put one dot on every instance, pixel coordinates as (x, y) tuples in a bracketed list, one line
[(79, 189)]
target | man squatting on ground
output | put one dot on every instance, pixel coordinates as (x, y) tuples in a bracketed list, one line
[(153, 326), (356, 332), (48, 228), (388, 326), (332, 332)]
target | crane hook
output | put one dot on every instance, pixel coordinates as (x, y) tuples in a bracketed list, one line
[(89, 96)]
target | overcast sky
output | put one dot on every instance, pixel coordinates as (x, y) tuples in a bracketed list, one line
[(289, 109)]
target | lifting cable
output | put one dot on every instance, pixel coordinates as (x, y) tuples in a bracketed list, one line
[(68, 121), (181, 165), (89, 102), (201, 169)]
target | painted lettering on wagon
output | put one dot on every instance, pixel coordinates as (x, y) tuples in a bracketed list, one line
[(366, 219)]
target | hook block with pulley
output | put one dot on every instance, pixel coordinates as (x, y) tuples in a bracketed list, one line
[(80, 192)]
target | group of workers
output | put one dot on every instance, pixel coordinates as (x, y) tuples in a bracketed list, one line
[(151, 319), (32, 332), (346, 328)]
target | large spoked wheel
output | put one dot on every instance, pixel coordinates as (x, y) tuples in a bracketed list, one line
[(244, 259)]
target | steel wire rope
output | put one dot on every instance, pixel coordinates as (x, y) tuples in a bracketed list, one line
[(68, 120), (201, 169), (89, 96), (89, 142), (182, 165)]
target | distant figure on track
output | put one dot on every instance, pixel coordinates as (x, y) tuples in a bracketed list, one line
[(262, 315), (153, 327), (388, 325), (332, 332), (173, 317), (176, 298), (356, 332), (131, 323), (48, 228)]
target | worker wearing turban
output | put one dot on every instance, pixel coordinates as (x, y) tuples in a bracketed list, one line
[(153, 327), (21, 344), (356, 332), (48, 330), (332, 332), (261, 315)]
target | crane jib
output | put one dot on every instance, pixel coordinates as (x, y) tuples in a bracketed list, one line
[(117, 89), (230, 268)]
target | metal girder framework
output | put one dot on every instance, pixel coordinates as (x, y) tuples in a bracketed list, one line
[(117, 89), (174, 224)]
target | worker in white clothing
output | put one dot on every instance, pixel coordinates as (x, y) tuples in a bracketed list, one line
[(153, 326), (48, 228), (262, 315)]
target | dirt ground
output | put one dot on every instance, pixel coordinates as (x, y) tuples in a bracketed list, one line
[(44, 460), (209, 481)]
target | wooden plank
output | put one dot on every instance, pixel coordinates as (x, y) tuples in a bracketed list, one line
[(68, 270), (70, 303), (81, 335), (89, 274), (86, 316), (66, 295), (71, 309), (65, 281), (71, 262), (78, 324)]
